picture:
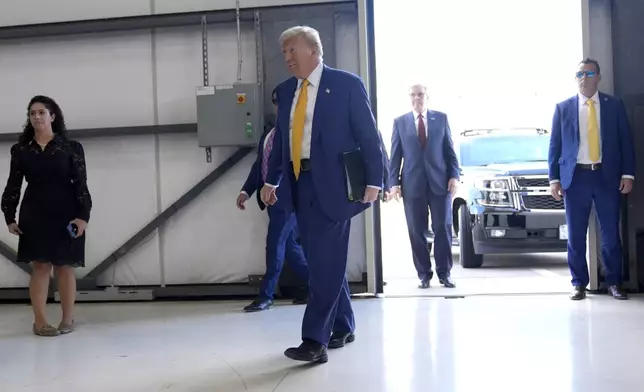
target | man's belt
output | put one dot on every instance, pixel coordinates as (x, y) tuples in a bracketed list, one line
[(305, 165), (591, 166)]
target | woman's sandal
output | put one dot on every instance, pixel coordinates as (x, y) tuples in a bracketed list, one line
[(46, 330), (64, 328)]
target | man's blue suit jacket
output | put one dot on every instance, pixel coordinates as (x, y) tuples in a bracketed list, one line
[(342, 122), (385, 164), (434, 166), (254, 182), (618, 155)]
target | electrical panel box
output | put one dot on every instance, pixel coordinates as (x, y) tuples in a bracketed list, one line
[(229, 115)]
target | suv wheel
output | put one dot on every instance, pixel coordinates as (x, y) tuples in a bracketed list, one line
[(469, 259)]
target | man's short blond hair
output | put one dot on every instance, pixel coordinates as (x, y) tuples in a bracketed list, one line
[(310, 34)]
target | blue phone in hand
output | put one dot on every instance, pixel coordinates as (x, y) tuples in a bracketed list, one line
[(73, 230)]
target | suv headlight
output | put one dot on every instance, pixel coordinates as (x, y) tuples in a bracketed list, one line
[(493, 192)]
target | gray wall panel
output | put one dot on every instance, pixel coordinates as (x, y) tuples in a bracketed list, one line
[(172, 6), (628, 51), (210, 241), (19, 12), (121, 178), (179, 69), (628, 62), (599, 40), (204, 255), (99, 80)]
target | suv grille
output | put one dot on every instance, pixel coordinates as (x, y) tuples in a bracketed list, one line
[(533, 182), (544, 202)]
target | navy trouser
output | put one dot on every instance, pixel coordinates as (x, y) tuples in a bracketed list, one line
[(587, 187)]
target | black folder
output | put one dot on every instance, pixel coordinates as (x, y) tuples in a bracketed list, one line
[(355, 175)]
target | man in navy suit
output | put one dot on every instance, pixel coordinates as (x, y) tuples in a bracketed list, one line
[(323, 113), (430, 173), (281, 239), (591, 159)]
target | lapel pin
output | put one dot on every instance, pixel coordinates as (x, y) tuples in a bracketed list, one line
[(328, 91)]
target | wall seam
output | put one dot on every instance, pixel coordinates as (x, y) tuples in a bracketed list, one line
[(157, 145)]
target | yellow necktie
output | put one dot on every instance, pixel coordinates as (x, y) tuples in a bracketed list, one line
[(593, 132), (298, 127)]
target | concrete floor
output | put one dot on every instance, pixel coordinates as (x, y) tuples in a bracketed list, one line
[(478, 343), (506, 274), (539, 343)]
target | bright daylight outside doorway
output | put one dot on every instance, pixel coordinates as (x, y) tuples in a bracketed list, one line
[(494, 64)]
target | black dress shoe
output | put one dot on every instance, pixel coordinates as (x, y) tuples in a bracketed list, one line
[(447, 282), (617, 293), (258, 305), (308, 351), (339, 339), (578, 293), (424, 284)]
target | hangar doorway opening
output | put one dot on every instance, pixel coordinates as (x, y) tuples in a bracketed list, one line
[(497, 69)]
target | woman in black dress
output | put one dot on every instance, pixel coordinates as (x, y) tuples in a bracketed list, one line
[(54, 211)]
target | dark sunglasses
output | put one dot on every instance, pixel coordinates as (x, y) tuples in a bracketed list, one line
[(589, 74)]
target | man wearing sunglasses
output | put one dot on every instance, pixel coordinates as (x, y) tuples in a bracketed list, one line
[(592, 161), (281, 239)]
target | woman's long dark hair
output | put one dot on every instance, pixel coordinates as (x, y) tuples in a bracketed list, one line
[(57, 126)]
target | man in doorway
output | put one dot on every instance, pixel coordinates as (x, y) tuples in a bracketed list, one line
[(281, 239), (591, 160), (323, 113), (421, 145)]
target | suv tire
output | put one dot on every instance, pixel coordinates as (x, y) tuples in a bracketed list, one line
[(468, 258)]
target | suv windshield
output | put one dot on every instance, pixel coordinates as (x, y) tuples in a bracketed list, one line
[(482, 151)]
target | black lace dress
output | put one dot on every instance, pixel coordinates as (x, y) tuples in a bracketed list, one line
[(56, 194)]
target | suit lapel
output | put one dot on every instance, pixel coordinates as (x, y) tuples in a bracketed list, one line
[(260, 146), (411, 127), (260, 158), (284, 116), (575, 118), (320, 102), (430, 126), (604, 109)]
